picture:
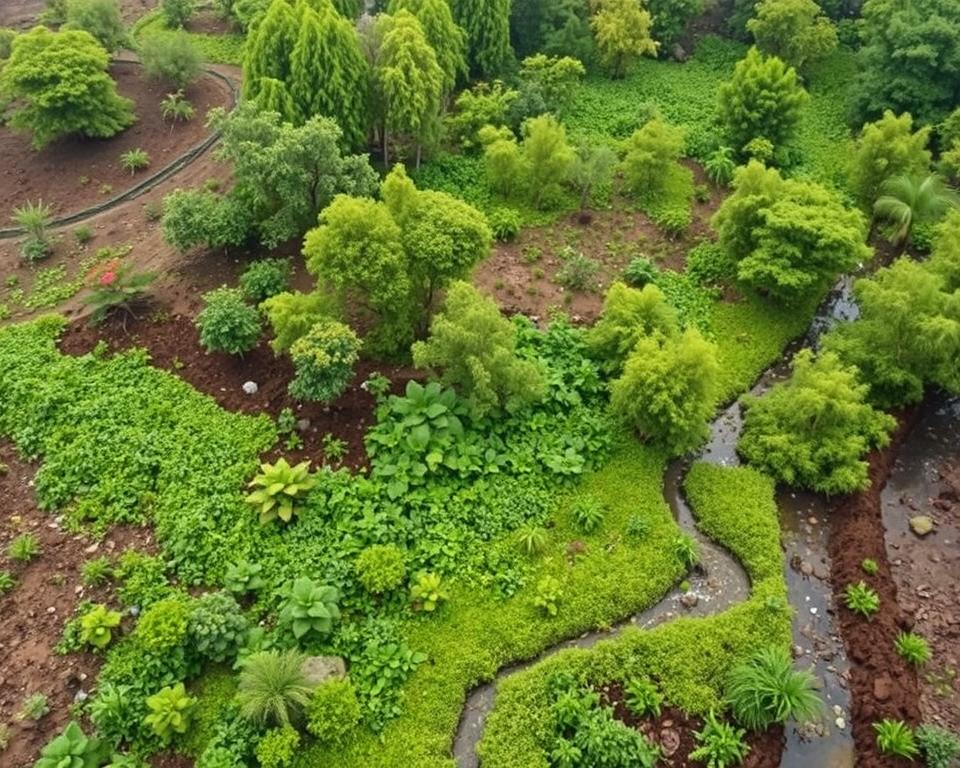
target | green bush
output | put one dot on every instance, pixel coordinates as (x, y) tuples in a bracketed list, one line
[(277, 747), (114, 712), (588, 514), (227, 323), (101, 18), (176, 13), (244, 577), (280, 489), (24, 548), (333, 712), (216, 627), (719, 744), (938, 746), (73, 749), (380, 568), (309, 610), (577, 272), (895, 738), (273, 689), (7, 582), (861, 599), (323, 359), (292, 315), (640, 271), (708, 264), (548, 596), (642, 697), (767, 690), (171, 710), (173, 58), (266, 278), (504, 223), (96, 626), (36, 219)]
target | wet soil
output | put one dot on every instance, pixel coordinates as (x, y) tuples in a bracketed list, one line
[(33, 613), (75, 173), (881, 683)]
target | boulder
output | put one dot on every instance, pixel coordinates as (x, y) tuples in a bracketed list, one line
[(320, 669)]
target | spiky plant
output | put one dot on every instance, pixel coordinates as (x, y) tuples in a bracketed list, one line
[(273, 688), (767, 689)]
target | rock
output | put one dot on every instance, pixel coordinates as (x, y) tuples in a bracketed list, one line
[(320, 669), (92, 548), (303, 425), (689, 600), (797, 651), (250, 387), (882, 688), (669, 741), (840, 723), (921, 525), (679, 53), (806, 568)]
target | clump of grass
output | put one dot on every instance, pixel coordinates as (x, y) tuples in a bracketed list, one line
[(24, 548)]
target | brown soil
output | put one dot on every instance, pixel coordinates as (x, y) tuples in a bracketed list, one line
[(22, 14), (33, 613), (173, 343), (882, 685), (521, 275), (76, 173), (208, 22), (674, 732)]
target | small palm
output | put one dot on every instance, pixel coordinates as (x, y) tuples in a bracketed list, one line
[(907, 200)]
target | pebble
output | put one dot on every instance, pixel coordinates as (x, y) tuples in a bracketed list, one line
[(813, 611), (840, 723), (250, 387)]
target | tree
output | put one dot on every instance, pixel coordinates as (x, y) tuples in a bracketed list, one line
[(621, 30), (630, 314), (487, 24), (448, 40), (550, 82), (788, 237), (762, 100), (813, 430), (101, 18), (795, 31), (546, 158), (173, 58), (286, 175), (409, 83), (477, 108), (476, 348), (670, 19), (592, 167), (908, 200), (552, 27), (668, 390), (651, 153), (886, 148), (909, 60), (60, 86), (176, 13), (323, 359)]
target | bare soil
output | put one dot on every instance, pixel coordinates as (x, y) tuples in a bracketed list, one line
[(75, 173), (23, 14)]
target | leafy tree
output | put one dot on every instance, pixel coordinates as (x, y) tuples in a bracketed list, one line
[(479, 107), (795, 31), (592, 167), (60, 86), (552, 27), (630, 314), (910, 59), (193, 217), (448, 40), (621, 29), (172, 57), (101, 18), (886, 148), (909, 200), (546, 158), (476, 348), (670, 19), (227, 323), (324, 360), (650, 154), (762, 100), (813, 430), (176, 13), (292, 315), (487, 24), (788, 237), (668, 390), (549, 82)]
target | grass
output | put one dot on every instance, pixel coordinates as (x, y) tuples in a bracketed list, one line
[(217, 49)]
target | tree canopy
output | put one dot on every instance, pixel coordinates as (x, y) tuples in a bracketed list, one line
[(621, 30), (795, 31), (487, 25), (886, 148)]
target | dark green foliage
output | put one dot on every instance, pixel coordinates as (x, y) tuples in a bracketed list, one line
[(578, 272), (719, 744), (886, 148), (244, 577), (708, 264), (216, 627), (642, 697), (793, 30), (938, 746), (273, 689), (323, 360), (193, 217), (172, 58), (176, 13), (554, 27), (767, 690), (265, 278), (487, 24), (101, 18), (333, 713), (670, 19), (227, 323), (640, 272)]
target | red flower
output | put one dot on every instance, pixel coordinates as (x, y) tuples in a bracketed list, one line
[(108, 278)]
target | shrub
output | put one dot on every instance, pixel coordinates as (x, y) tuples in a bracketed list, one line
[(176, 13), (642, 697), (720, 165), (83, 234), (134, 160), (113, 712), (913, 648), (173, 58), (277, 747), (577, 271), (216, 627), (36, 219), (650, 154), (708, 264), (862, 599), (640, 271), (175, 107), (273, 689), (162, 628), (895, 738), (324, 360), (533, 540), (685, 548), (101, 18), (280, 488), (767, 690), (23, 548), (114, 285), (265, 278), (227, 323), (309, 609), (427, 591), (244, 577), (96, 626), (333, 712), (292, 315), (549, 594), (939, 746), (869, 567), (380, 568), (588, 514), (720, 745), (504, 223), (170, 713), (73, 749), (34, 707)]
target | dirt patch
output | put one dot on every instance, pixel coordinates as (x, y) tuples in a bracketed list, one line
[(33, 613), (882, 685), (23, 14), (76, 173), (208, 22), (674, 732)]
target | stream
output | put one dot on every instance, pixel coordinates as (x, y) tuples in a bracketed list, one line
[(719, 582)]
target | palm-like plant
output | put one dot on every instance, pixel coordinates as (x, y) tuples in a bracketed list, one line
[(273, 688), (907, 200), (767, 689)]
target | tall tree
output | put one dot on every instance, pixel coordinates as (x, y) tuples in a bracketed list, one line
[(487, 24), (547, 158), (886, 148), (446, 37), (793, 30), (621, 30)]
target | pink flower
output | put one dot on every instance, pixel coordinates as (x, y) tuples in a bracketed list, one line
[(108, 278)]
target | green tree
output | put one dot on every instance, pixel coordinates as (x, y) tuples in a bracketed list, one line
[(910, 200), (550, 81), (813, 430), (171, 57), (176, 13), (60, 86), (621, 30), (487, 24), (886, 148), (795, 31), (476, 348), (592, 167), (788, 237), (292, 315), (477, 108), (651, 152), (668, 390), (445, 36), (762, 100), (546, 159), (630, 314), (670, 19), (552, 27), (323, 359), (101, 18)]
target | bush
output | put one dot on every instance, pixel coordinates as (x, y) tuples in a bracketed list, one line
[(292, 315), (96, 626), (685, 548), (114, 285), (266, 278), (171, 710), (427, 591), (640, 271), (642, 697), (708, 264), (895, 738), (277, 747), (767, 690), (280, 488), (216, 627), (198, 217), (719, 744), (309, 609), (172, 58), (650, 153), (380, 568), (588, 514), (324, 360), (504, 223), (913, 648), (548, 596), (227, 323), (163, 626), (134, 160), (939, 746), (101, 18), (175, 107), (176, 13), (333, 713), (73, 749), (273, 689), (861, 599), (577, 272)]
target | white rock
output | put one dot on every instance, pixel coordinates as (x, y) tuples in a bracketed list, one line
[(250, 387), (840, 723)]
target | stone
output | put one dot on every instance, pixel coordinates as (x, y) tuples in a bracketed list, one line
[(840, 723), (669, 742), (882, 688), (921, 525), (679, 53), (320, 669), (250, 387), (303, 425), (806, 568), (689, 600), (92, 548)]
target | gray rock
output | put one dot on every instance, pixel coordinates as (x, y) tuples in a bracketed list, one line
[(689, 600), (320, 669)]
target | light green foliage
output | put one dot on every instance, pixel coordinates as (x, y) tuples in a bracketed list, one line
[(476, 349), (7, 582), (861, 599), (767, 690), (546, 159), (814, 429), (869, 567), (97, 625), (23, 548), (292, 315), (333, 713), (34, 707), (487, 25), (685, 550), (101, 18), (547, 84), (176, 13), (913, 648), (227, 323), (380, 568), (265, 278), (173, 58), (719, 744), (60, 85), (533, 540), (278, 747), (73, 749), (887, 148), (216, 626), (763, 99), (6, 42), (135, 160), (788, 237), (273, 689), (323, 359), (668, 390), (938, 746), (650, 153), (448, 40), (171, 710), (35, 218), (427, 591), (909, 201), (309, 610), (193, 217), (549, 594), (895, 738), (720, 165), (642, 697), (588, 514), (795, 31), (476, 107), (628, 316), (163, 626), (280, 489), (621, 30)]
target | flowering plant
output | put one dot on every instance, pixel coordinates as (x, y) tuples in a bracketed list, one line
[(113, 284)]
